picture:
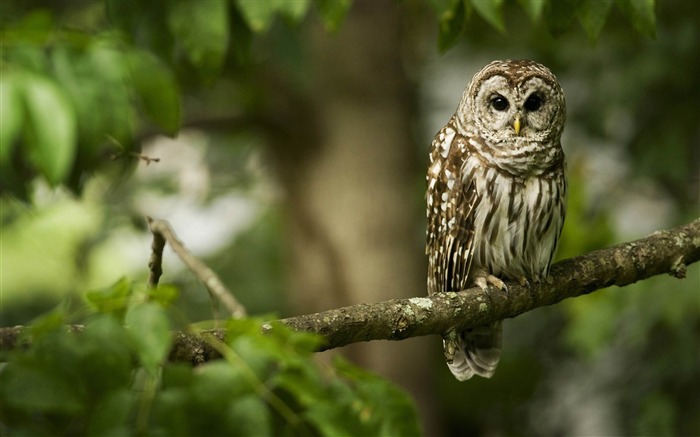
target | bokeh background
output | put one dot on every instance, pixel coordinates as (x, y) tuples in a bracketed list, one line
[(297, 174)]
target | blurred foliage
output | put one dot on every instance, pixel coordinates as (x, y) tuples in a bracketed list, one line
[(71, 95), (89, 382), (454, 16)]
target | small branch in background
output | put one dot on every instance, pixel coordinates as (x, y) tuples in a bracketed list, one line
[(155, 263), (145, 158), (161, 229)]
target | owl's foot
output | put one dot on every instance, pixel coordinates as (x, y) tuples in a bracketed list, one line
[(524, 282), (483, 280)]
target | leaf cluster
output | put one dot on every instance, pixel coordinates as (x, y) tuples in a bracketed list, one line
[(69, 100), (113, 378), (557, 15), (74, 95)]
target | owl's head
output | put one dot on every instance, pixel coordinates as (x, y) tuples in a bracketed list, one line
[(513, 101)]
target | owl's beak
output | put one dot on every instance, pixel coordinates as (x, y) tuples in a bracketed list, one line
[(516, 125)]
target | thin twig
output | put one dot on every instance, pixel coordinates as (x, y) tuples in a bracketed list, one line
[(155, 263), (162, 229)]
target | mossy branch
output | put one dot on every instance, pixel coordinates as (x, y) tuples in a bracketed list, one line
[(663, 252)]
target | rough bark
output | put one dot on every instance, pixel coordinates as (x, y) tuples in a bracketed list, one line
[(668, 251)]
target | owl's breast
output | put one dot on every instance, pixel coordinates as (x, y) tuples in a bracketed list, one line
[(517, 221)]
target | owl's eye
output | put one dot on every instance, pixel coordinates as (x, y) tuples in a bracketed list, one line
[(533, 103), (499, 103)]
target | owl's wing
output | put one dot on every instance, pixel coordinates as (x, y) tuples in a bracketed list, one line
[(451, 202)]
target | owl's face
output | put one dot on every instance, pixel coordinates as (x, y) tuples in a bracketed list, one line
[(515, 102)]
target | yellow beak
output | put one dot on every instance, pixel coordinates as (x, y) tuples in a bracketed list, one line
[(516, 125)]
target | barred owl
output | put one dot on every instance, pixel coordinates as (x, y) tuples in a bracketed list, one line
[(496, 195)]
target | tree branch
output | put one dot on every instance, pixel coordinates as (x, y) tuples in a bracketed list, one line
[(668, 251)]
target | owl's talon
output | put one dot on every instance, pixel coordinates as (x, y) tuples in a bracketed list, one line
[(523, 281), (483, 282)]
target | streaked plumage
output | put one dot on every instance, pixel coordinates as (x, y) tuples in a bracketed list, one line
[(496, 194)]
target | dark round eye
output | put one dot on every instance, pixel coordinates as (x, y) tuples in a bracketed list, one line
[(533, 102), (499, 103)]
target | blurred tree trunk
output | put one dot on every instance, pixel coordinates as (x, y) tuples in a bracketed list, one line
[(351, 169)]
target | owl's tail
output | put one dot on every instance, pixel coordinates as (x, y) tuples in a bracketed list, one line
[(477, 351)]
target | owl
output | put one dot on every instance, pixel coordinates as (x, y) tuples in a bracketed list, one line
[(496, 196)]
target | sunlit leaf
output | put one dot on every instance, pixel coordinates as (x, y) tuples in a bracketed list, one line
[(11, 115), (51, 130), (202, 29), (592, 14), (492, 12), (258, 14), (49, 321), (164, 294), (112, 299), (150, 331), (294, 9), (533, 8), (333, 12), (157, 89)]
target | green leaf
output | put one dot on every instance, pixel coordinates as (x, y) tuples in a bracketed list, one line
[(96, 79), (592, 14), (112, 299), (11, 115), (451, 17), (258, 14), (384, 405), (641, 14), (51, 130), (533, 8), (157, 89), (150, 330), (50, 321), (164, 294), (294, 9), (492, 12), (202, 29), (333, 12)]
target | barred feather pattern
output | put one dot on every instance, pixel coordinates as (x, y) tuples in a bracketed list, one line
[(495, 206)]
